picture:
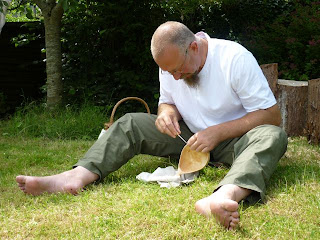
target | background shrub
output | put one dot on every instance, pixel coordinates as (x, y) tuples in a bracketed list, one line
[(107, 44), (107, 54), (292, 40)]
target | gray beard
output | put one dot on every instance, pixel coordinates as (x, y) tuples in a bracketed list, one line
[(192, 81)]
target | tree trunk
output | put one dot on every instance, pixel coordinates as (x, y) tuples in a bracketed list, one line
[(292, 97), (314, 111), (3, 14), (52, 13), (270, 71)]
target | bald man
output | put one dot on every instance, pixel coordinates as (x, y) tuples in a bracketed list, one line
[(214, 94)]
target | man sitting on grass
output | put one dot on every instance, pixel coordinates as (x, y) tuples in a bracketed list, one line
[(213, 93)]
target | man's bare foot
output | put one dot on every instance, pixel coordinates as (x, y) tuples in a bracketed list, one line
[(223, 205), (70, 181)]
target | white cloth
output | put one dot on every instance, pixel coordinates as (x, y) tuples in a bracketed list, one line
[(231, 85), (167, 177), (102, 132)]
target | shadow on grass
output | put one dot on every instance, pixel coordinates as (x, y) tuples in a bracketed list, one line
[(147, 163)]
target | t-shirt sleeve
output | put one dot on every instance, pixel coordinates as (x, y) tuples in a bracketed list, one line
[(165, 93), (250, 84)]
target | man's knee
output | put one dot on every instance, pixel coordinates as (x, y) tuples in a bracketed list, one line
[(138, 118), (266, 138), (273, 136), (278, 134)]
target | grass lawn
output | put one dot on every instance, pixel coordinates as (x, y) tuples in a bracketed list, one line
[(124, 208)]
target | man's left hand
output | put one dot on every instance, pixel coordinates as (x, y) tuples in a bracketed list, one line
[(205, 140)]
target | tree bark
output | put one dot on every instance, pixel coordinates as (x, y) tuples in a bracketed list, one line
[(292, 97), (314, 111), (270, 71), (52, 13)]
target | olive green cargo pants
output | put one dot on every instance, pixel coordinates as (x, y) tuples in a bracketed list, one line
[(252, 157)]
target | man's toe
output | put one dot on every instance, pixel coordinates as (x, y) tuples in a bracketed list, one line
[(235, 214), (21, 179), (233, 224)]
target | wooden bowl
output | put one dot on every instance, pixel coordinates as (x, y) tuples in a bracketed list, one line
[(191, 160)]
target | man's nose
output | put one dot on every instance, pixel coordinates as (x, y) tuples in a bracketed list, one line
[(176, 76)]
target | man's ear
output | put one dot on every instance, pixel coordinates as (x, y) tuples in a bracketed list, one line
[(194, 46)]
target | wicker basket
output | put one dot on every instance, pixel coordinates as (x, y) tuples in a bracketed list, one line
[(108, 124)]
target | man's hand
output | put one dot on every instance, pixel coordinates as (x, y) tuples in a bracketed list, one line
[(205, 140), (167, 120)]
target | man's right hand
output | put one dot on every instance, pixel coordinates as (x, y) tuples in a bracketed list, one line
[(167, 120)]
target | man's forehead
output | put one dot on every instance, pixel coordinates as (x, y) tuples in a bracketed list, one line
[(169, 58)]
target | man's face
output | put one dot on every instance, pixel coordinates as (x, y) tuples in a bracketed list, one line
[(179, 65)]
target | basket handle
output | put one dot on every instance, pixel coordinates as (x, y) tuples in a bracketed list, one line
[(107, 125)]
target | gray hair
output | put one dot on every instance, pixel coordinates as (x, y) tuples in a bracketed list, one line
[(173, 33)]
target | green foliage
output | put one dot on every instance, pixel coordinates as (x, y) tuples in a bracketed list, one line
[(24, 39), (84, 122), (22, 10), (30, 31), (107, 44), (107, 56), (68, 5), (292, 40), (240, 14), (199, 15)]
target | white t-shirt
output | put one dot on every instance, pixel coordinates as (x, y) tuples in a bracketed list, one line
[(231, 85)]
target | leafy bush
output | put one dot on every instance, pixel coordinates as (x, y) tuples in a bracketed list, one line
[(107, 56), (241, 14), (292, 40), (107, 44)]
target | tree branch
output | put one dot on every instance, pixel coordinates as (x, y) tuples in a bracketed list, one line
[(42, 4)]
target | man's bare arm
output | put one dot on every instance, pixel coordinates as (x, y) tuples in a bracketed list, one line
[(209, 138), (167, 120)]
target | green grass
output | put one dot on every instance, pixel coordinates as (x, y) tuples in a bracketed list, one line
[(123, 208), (37, 142), (68, 122)]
